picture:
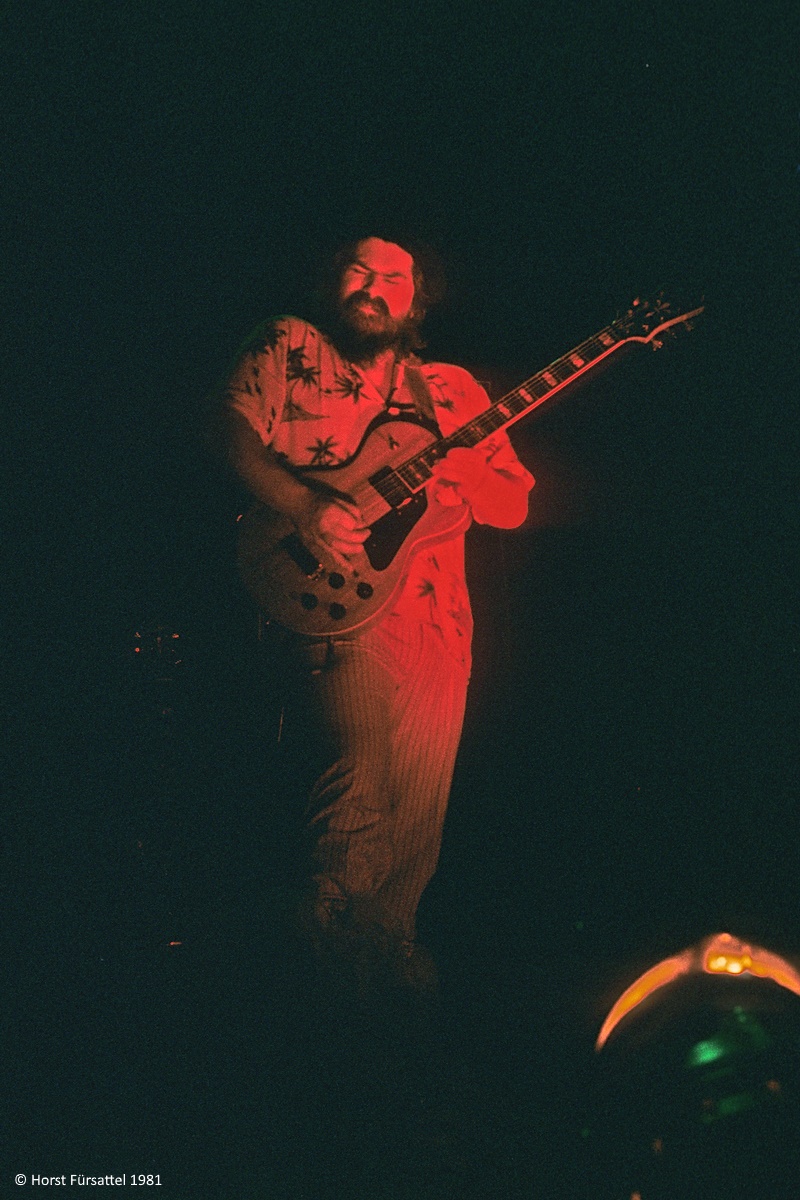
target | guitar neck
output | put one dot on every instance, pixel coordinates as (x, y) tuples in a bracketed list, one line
[(529, 395), (533, 392), (413, 474)]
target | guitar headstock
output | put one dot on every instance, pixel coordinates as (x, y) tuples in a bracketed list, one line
[(646, 321)]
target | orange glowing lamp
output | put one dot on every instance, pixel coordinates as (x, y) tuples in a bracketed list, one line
[(721, 954), (726, 955)]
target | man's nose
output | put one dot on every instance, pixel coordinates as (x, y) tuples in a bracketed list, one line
[(368, 283)]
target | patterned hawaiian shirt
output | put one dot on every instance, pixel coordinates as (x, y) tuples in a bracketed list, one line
[(312, 407)]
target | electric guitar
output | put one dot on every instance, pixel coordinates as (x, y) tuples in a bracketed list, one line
[(386, 479)]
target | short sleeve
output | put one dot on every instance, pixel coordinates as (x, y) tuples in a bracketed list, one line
[(256, 387)]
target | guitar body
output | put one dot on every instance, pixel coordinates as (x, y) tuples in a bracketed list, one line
[(297, 591)]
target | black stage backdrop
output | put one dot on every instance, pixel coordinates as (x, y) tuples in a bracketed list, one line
[(627, 781)]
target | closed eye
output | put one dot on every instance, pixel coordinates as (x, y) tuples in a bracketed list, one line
[(392, 277)]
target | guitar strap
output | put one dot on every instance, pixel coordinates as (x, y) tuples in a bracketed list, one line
[(423, 402)]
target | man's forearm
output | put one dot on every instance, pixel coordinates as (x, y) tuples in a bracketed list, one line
[(329, 527)]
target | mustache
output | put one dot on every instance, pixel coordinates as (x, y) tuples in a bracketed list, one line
[(376, 302)]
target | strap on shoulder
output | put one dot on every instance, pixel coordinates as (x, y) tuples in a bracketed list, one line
[(421, 394)]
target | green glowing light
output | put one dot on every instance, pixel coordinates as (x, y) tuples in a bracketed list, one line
[(707, 1052), (730, 1106), (741, 1034), (736, 1104)]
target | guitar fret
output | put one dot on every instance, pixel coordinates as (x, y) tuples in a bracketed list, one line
[(490, 420)]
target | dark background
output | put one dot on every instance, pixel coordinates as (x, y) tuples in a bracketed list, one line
[(627, 780)]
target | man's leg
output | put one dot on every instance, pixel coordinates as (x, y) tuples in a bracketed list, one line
[(349, 698), (385, 712), (427, 722)]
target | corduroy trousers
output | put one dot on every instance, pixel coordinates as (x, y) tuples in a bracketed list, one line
[(380, 712)]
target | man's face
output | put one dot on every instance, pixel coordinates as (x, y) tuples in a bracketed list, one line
[(376, 293)]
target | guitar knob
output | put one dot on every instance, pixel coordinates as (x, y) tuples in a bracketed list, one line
[(309, 600), (337, 611), (364, 590), (335, 580)]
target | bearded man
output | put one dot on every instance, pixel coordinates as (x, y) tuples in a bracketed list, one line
[(384, 703)]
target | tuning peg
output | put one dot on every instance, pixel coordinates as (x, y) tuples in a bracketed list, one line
[(656, 344)]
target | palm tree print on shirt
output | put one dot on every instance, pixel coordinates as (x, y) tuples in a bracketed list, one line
[(322, 452), (348, 385), (426, 593), (440, 398), (298, 370)]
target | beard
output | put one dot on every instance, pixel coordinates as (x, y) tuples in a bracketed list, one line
[(363, 328)]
